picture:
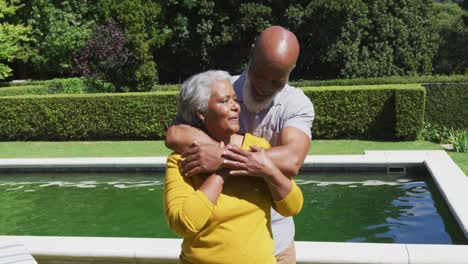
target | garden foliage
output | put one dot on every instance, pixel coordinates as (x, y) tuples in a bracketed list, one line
[(140, 22), (447, 104), (13, 37), (87, 117), (59, 31), (366, 112), (384, 80), (24, 90), (168, 41), (338, 39), (105, 58), (451, 39)]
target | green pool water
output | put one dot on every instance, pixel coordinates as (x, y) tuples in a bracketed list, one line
[(338, 207)]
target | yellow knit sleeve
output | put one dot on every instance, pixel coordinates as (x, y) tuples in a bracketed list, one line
[(292, 203), (187, 209)]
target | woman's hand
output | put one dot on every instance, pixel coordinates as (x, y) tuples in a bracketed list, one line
[(202, 159), (257, 163), (249, 163)]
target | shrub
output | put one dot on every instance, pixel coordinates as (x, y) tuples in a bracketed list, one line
[(383, 80), (409, 106), (459, 140), (446, 105), (436, 133), (96, 85), (367, 112), (166, 87), (67, 86), (87, 117), (105, 59), (24, 90)]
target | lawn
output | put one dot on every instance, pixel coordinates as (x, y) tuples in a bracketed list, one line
[(157, 148)]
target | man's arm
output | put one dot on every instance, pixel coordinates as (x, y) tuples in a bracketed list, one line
[(288, 157), (290, 154), (180, 137), (200, 152)]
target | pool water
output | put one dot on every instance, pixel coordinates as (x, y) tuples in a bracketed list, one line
[(339, 207)]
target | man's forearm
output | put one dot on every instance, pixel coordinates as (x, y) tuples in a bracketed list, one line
[(289, 163), (290, 154), (179, 137)]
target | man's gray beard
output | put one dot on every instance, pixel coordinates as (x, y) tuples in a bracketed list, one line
[(250, 103)]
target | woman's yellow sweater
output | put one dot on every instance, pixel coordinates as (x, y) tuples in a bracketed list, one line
[(235, 230)]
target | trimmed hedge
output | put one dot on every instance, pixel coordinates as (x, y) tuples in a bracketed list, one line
[(24, 90), (383, 80), (87, 117), (447, 105), (366, 112), (383, 112)]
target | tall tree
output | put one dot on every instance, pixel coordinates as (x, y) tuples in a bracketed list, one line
[(139, 20), (363, 38), (209, 34), (13, 37), (451, 26), (59, 31)]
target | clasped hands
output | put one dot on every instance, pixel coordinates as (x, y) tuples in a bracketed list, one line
[(209, 158)]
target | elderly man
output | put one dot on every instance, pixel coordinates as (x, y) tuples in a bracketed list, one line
[(270, 109)]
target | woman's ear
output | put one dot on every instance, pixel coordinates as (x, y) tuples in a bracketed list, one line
[(201, 116)]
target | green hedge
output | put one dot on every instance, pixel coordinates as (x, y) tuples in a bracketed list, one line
[(447, 105), (383, 80), (383, 112), (365, 112), (87, 117), (24, 90)]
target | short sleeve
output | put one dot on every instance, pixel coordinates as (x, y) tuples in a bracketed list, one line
[(299, 112)]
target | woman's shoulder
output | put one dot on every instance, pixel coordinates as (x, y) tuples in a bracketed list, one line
[(250, 140)]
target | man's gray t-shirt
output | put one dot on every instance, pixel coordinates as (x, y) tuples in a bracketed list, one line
[(290, 107)]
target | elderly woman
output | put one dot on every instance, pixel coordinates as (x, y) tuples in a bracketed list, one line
[(223, 218)]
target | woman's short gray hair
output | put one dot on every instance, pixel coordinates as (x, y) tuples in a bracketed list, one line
[(195, 93)]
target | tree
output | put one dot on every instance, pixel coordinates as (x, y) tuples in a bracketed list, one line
[(104, 58), (59, 31), (362, 38), (139, 21), (13, 38), (451, 26), (209, 34)]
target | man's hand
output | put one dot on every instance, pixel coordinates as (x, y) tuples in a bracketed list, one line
[(202, 159), (246, 163)]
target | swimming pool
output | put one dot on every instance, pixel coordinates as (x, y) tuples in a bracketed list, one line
[(338, 207), (450, 181)]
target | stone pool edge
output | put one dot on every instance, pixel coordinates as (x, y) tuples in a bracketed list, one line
[(451, 181)]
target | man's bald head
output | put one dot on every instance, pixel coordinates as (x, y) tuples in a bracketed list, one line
[(276, 46), (274, 57)]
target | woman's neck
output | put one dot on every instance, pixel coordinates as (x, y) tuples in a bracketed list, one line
[(234, 139)]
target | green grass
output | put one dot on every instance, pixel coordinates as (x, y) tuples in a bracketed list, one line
[(157, 148), (71, 149)]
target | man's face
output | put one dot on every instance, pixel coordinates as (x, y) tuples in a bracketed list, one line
[(266, 80)]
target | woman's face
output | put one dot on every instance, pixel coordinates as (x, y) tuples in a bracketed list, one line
[(222, 118)]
